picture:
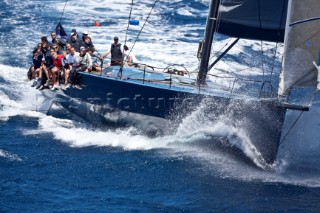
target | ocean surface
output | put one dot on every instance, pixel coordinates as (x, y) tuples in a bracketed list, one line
[(59, 163)]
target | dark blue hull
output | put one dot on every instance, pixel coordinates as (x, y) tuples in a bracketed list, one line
[(167, 105)]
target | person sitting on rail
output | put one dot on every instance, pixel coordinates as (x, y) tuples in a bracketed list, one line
[(84, 61), (47, 64), (96, 61), (45, 50), (56, 49), (44, 40), (75, 32), (35, 72), (65, 64), (41, 59), (66, 68), (57, 61), (84, 36), (72, 60), (74, 42), (58, 41), (43, 79), (31, 73), (39, 48), (68, 47), (87, 44)]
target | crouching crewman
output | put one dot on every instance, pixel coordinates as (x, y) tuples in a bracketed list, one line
[(84, 61)]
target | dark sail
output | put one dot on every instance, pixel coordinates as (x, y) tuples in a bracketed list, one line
[(254, 19), (60, 31)]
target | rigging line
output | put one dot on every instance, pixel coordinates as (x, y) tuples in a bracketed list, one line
[(262, 51), (125, 40), (278, 39), (63, 11), (217, 27), (254, 66), (217, 52), (237, 78), (311, 101), (274, 59), (291, 128), (253, 57), (134, 43), (261, 44), (247, 68)]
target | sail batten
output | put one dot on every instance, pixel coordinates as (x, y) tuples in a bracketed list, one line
[(303, 21), (251, 19)]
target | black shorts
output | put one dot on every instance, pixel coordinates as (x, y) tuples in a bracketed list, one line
[(115, 63)]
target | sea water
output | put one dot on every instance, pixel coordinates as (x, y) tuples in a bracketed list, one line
[(60, 163)]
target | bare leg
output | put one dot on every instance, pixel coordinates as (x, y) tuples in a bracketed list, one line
[(58, 76), (66, 76), (130, 61), (54, 74), (38, 73), (46, 71), (98, 69), (33, 72)]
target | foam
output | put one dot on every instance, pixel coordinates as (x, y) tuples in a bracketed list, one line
[(21, 98), (185, 12), (9, 156)]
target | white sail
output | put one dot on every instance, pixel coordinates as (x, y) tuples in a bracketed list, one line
[(302, 45)]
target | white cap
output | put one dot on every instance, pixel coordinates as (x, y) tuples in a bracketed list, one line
[(85, 32)]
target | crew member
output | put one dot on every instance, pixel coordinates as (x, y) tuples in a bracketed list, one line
[(116, 53)]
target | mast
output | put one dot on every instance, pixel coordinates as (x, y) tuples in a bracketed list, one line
[(206, 50)]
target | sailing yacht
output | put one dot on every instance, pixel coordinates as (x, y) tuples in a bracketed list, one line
[(140, 95)]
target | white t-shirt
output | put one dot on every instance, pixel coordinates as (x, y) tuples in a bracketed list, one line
[(64, 61), (72, 59), (126, 56)]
